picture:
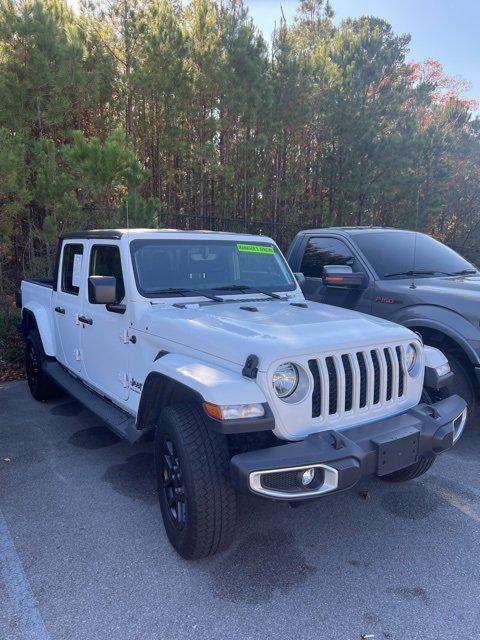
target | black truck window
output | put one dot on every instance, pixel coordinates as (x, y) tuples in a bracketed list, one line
[(399, 251), (324, 251), (71, 268), (105, 261)]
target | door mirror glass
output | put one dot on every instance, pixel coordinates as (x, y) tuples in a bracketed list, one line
[(339, 275), (102, 289)]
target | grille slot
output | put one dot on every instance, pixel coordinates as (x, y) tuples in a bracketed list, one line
[(332, 385), (376, 377), (401, 375), (350, 382), (388, 360), (363, 379), (347, 367), (317, 391)]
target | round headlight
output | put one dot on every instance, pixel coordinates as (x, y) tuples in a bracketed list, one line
[(285, 380), (411, 356)]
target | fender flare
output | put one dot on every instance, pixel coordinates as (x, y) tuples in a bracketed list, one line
[(446, 321), (43, 323), (176, 378)]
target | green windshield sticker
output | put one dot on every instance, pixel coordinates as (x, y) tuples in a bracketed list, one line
[(255, 248)]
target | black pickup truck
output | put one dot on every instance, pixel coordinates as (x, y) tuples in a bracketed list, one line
[(403, 276)]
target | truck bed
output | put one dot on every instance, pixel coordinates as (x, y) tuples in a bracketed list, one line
[(43, 282)]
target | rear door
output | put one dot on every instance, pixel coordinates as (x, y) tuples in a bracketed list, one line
[(67, 303), (328, 250), (104, 333)]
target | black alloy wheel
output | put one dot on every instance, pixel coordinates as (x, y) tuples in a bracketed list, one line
[(173, 485)]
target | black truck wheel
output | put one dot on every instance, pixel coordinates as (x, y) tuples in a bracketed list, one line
[(41, 386), (197, 500), (411, 472)]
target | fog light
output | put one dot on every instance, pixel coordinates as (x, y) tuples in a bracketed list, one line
[(307, 477)]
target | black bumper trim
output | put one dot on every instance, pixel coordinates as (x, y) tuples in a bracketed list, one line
[(423, 431)]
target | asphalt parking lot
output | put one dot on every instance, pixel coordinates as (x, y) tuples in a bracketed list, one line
[(83, 554)]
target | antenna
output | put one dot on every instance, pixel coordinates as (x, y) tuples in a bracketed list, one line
[(413, 285), (128, 224)]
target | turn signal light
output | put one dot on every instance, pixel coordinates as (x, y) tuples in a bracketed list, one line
[(234, 411)]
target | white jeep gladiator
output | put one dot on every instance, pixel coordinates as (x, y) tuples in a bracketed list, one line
[(206, 340)]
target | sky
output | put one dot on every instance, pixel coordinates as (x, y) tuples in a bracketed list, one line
[(445, 30)]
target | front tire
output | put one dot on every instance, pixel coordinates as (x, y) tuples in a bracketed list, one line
[(411, 472), (41, 386), (192, 465)]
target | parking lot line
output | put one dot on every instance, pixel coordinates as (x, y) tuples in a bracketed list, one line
[(18, 589)]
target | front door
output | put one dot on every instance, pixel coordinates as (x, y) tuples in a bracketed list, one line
[(67, 304), (104, 338), (327, 250)]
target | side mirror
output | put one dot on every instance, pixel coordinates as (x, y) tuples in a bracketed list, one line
[(300, 278), (339, 275), (102, 289)]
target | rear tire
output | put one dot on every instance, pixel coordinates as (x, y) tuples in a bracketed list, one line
[(411, 472), (192, 465), (41, 386)]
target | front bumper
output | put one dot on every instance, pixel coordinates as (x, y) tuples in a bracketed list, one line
[(342, 458)]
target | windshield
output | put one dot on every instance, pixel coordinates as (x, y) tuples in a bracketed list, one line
[(207, 265), (391, 253)]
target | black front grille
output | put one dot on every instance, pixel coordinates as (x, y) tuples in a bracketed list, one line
[(376, 376), (388, 360), (347, 367), (332, 382), (375, 369), (317, 390)]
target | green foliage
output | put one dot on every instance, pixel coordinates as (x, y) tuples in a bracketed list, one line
[(142, 112)]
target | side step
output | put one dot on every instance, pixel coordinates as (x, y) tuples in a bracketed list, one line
[(118, 420)]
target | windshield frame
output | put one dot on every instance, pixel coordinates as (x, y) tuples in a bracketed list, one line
[(138, 242), (392, 232)]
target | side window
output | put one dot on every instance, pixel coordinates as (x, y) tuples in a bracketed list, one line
[(105, 261), (72, 268), (323, 251)]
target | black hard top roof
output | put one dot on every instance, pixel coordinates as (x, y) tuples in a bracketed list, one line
[(354, 230)]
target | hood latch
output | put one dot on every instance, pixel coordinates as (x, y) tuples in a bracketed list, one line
[(250, 368)]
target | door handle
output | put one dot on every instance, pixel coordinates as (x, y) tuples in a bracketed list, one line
[(85, 320), (60, 310)]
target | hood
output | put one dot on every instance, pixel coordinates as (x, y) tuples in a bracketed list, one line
[(458, 286), (460, 294), (276, 330)]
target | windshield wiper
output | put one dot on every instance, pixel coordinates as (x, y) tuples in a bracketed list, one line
[(246, 287), (415, 273), (464, 272), (184, 292)]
